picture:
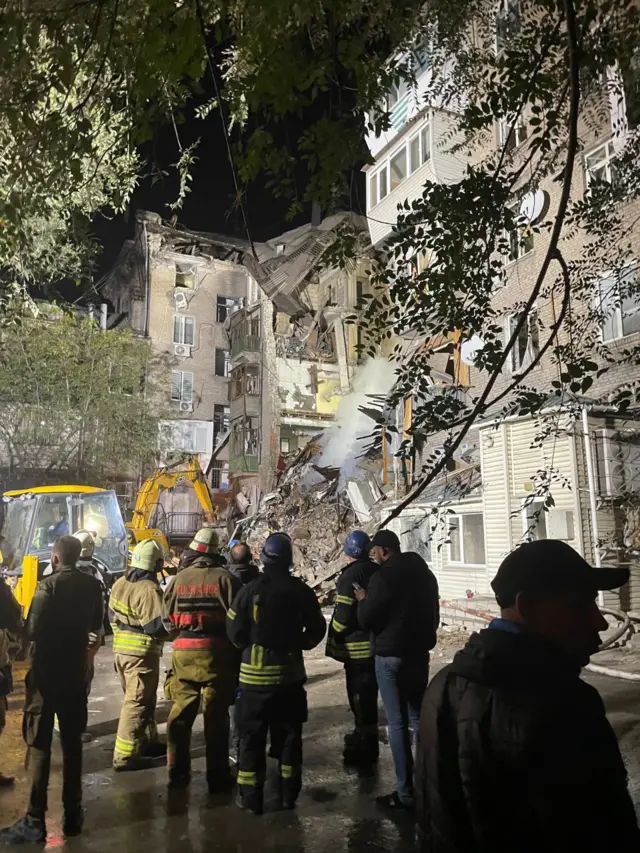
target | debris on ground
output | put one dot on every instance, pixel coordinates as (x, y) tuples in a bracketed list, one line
[(311, 503)]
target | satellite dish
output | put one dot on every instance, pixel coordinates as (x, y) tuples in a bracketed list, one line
[(533, 205), (470, 349)]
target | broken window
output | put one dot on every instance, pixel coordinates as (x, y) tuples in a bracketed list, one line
[(222, 362), (185, 275), (220, 420), (245, 436), (223, 308), (519, 237), (219, 474), (245, 380), (527, 345)]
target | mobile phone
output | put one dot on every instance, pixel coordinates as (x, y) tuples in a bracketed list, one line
[(357, 587)]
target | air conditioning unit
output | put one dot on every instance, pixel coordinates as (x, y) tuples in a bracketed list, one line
[(186, 407), (180, 298), (183, 350)]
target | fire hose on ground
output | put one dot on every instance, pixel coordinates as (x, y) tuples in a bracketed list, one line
[(626, 620)]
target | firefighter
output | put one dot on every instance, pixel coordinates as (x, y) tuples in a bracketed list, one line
[(66, 607), (349, 644), (10, 624), (204, 665), (206, 541), (135, 610), (273, 620)]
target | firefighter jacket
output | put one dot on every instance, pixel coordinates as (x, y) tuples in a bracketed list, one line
[(66, 608), (347, 640), (196, 606), (135, 613), (273, 620)]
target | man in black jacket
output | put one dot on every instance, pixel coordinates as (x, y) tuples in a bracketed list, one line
[(348, 643), (66, 608), (515, 750), (240, 564), (401, 609)]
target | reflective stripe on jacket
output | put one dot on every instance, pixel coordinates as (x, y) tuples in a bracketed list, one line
[(135, 612)]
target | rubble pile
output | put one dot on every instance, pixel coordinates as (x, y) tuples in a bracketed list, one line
[(315, 511)]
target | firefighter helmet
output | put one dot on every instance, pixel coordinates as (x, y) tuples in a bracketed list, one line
[(356, 544), (206, 541), (87, 543), (146, 555), (277, 550)]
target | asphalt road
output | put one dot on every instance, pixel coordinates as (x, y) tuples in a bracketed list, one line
[(336, 812)]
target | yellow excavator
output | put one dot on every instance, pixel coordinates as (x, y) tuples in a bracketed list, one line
[(184, 470)]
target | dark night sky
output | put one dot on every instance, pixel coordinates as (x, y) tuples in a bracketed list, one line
[(210, 204)]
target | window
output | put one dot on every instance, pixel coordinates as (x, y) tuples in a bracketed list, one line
[(512, 134), (220, 420), (620, 303), (534, 520), (219, 474), (519, 237), (507, 22), (420, 56), (190, 436), (279, 250), (631, 85), (425, 144), (403, 162), (466, 539), (415, 535), (285, 445), (223, 308), (185, 275), (244, 436), (245, 380), (398, 168), (183, 329), (181, 386), (600, 165), (223, 362), (527, 345)]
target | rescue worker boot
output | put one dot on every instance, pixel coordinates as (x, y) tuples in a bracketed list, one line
[(138, 762), (27, 830), (250, 801), (154, 749)]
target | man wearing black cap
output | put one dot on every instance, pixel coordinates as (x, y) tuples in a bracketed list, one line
[(515, 750), (401, 610)]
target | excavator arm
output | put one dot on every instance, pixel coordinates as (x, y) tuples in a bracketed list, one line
[(167, 478)]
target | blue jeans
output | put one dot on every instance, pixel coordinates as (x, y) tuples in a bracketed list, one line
[(402, 682)]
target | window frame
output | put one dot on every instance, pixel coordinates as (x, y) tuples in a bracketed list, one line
[(519, 133), (519, 230), (423, 135), (223, 303), (227, 363), (528, 508), (182, 398), (530, 354), (618, 316), (609, 155), (182, 323), (185, 271), (505, 7), (220, 467), (460, 516)]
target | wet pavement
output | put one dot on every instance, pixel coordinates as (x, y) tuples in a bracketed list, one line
[(336, 810)]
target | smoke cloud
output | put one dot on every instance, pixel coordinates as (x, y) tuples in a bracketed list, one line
[(346, 440)]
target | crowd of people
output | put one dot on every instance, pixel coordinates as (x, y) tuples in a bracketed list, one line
[(506, 748)]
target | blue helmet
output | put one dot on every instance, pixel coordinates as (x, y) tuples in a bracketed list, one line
[(356, 544), (277, 551)]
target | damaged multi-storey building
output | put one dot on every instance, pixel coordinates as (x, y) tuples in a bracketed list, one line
[(177, 288)]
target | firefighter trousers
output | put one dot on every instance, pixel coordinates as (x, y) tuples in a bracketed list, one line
[(70, 708), (196, 679), (362, 691), (139, 677), (282, 710)]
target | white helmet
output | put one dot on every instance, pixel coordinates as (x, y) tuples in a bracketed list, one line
[(88, 543)]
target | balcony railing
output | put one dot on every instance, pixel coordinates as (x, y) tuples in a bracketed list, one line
[(245, 343)]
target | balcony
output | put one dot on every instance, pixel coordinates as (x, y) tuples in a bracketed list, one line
[(243, 465), (245, 343)]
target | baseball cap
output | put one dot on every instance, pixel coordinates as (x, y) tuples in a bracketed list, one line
[(548, 566), (385, 539)]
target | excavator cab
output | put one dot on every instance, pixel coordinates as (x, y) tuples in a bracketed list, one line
[(35, 518)]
